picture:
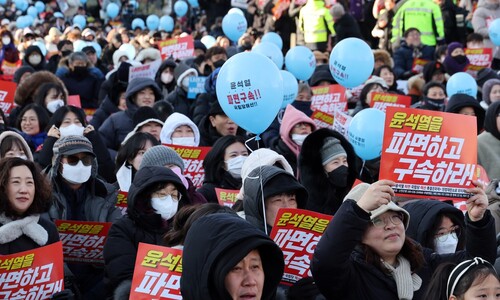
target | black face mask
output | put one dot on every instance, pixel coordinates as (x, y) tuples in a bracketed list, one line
[(219, 63), (66, 53), (80, 71), (338, 177), (461, 59), (434, 104), (207, 70)]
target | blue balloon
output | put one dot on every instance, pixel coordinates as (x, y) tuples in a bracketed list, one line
[(22, 5), (351, 62), (461, 83), (134, 3), (494, 32), (254, 104), (83, 1), (80, 21), (300, 61), (194, 3), (274, 38), (272, 51), (208, 41), (78, 45), (152, 22), (3, 2), (290, 88), (166, 23), (23, 22), (32, 11), (112, 10), (180, 8), (366, 133), (40, 6), (97, 47), (234, 26), (138, 22)]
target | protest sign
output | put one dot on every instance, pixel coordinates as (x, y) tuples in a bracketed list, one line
[(83, 242), (428, 153), (328, 98), (322, 119), (144, 71), (341, 122), (418, 65), (473, 70), (8, 69), (7, 91), (33, 274), (226, 197), (74, 100), (157, 273), (297, 232), (193, 162), (196, 86), (382, 100), (121, 201), (178, 48), (480, 57)]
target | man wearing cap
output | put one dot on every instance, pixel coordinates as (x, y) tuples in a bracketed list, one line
[(88, 35), (98, 68)]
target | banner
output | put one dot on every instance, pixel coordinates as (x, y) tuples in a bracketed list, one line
[(297, 232), (193, 162), (341, 122), (196, 86), (226, 197), (382, 100), (83, 242), (144, 71), (121, 201), (480, 57), (322, 119), (328, 98), (34, 274), (157, 273), (473, 70), (418, 65), (428, 153), (178, 48), (7, 91)]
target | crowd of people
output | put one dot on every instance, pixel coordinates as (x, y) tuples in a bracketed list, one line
[(61, 161)]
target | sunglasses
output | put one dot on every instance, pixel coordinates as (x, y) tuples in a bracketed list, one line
[(73, 160)]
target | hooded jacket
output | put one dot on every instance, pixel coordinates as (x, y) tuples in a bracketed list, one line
[(165, 88), (32, 49), (323, 197), (459, 101), (138, 226), (172, 122), (487, 87), (26, 148), (488, 143), (214, 245), (267, 176), (178, 98)]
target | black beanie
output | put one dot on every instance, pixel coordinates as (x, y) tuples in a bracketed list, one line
[(490, 122), (144, 113)]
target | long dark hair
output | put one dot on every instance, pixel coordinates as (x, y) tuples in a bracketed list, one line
[(134, 144), (214, 161), (430, 235), (44, 89), (41, 112), (58, 116)]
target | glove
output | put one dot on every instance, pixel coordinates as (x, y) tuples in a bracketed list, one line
[(304, 289), (63, 295)]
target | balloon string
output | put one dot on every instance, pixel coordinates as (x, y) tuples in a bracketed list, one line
[(262, 197), (256, 138), (362, 168)]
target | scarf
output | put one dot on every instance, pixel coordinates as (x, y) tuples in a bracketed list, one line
[(13, 229), (406, 281)]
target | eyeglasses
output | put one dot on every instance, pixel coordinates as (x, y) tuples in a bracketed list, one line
[(175, 196), (73, 160), (396, 219), (443, 236)]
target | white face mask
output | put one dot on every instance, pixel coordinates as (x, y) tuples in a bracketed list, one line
[(76, 174), (185, 83), (23, 157), (54, 105), (72, 129), (299, 138), (35, 59), (184, 141), (234, 165), (6, 40), (449, 245), (165, 206), (167, 78)]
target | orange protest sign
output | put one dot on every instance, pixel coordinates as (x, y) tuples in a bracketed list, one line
[(328, 98), (382, 100), (34, 274), (429, 154), (178, 48), (7, 91), (74, 100), (8, 69), (418, 65), (322, 119), (480, 57), (121, 201), (297, 232), (226, 197), (157, 273), (83, 242), (193, 162)]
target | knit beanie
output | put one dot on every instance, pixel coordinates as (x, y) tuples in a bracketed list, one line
[(453, 46), (331, 150), (72, 144), (161, 155), (432, 68), (487, 87), (145, 114), (484, 75)]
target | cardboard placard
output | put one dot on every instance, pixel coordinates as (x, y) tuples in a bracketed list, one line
[(196, 86), (226, 197), (328, 98), (381, 101), (8, 70), (144, 71), (74, 100), (178, 48), (193, 162), (7, 92), (121, 201), (418, 65), (341, 122), (322, 119), (480, 57)]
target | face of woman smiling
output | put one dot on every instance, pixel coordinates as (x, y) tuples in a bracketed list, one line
[(29, 123)]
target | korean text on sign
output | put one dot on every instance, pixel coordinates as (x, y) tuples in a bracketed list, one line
[(121, 201), (7, 91), (429, 154), (328, 98), (178, 48), (157, 273), (381, 101), (322, 119), (226, 197), (193, 162), (34, 274), (243, 95), (297, 232)]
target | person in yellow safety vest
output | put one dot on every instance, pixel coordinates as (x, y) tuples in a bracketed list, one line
[(316, 23), (425, 15)]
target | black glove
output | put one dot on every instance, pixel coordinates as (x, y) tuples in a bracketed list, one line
[(63, 295), (304, 289)]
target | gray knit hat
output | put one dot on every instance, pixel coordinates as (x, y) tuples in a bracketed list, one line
[(72, 144), (161, 155), (331, 150)]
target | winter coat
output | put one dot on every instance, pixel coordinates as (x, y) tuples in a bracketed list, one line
[(340, 269), (404, 56), (172, 122), (228, 182), (323, 197), (137, 226), (41, 66), (106, 109), (180, 102), (488, 143), (459, 101), (484, 14), (86, 86), (346, 27)]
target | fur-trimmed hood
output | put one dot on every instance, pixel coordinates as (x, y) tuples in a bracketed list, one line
[(13, 229), (26, 91)]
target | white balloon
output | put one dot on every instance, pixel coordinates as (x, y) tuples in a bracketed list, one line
[(129, 49)]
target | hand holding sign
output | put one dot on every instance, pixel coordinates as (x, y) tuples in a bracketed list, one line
[(351, 62), (478, 203)]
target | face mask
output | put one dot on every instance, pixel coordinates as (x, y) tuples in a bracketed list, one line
[(299, 138), (23, 157), (66, 53), (184, 141), (234, 165), (165, 206), (167, 78), (72, 129), (6, 40), (76, 174), (54, 105), (35, 59), (80, 71), (449, 245), (219, 63), (185, 83), (338, 177), (434, 104), (460, 59)]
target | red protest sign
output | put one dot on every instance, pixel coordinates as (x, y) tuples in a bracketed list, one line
[(74, 100), (328, 98), (8, 70), (297, 232), (83, 242), (157, 273), (428, 153), (341, 122), (178, 48), (480, 57), (382, 100), (34, 274), (7, 91), (322, 119), (418, 65), (193, 162), (121, 201), (226, 197)]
